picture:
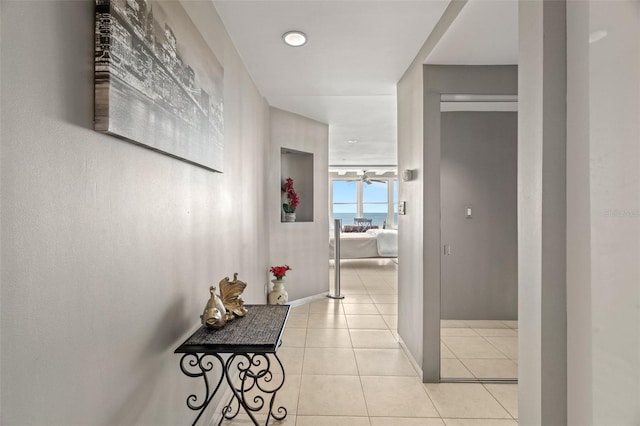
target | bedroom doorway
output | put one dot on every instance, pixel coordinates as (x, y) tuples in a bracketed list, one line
[(365, 201), (369, 192), (479, 278)]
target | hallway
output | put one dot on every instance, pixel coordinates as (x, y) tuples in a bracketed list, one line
[(345, 367)]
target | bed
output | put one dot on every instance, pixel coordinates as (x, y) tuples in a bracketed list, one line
[(370, 244)]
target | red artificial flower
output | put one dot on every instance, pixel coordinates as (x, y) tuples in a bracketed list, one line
[(279, 271), (294, 200)]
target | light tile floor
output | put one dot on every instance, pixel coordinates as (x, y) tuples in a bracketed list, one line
[(479, 349), (345, 367)]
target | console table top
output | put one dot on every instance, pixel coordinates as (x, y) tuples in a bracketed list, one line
[(259, 331)]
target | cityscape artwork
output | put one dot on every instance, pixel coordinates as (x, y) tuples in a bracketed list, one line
[(157, 82)]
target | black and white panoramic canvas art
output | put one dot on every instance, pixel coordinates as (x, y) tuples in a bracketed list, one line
[(157, 83)]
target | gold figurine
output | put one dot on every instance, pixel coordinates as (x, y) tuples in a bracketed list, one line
[(215, 314), (230, 292), (229, 305)]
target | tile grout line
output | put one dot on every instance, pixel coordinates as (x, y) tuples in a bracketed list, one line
[(497, 348), (498, 401), (364, 397)]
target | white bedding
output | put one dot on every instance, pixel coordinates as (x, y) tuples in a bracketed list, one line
[(387, 240), (362, 245)]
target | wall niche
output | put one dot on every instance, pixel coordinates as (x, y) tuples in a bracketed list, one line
[(298, 165)]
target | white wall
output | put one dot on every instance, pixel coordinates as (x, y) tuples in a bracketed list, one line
[(604, 277), (411, 237), (302, 245), (579, 328), (108, 249), (410, 226), (542, 219), (601, 207)]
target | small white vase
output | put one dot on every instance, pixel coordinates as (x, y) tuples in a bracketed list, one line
[(289, 217), (278, 296)]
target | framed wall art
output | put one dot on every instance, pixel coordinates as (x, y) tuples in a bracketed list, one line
[(157, 82)]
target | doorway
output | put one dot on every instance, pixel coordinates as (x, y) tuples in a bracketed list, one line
[(479, 278)]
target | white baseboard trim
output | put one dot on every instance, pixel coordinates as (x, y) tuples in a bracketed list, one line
[(409, 355), (309, 299)]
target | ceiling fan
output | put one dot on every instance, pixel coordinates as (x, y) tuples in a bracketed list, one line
[(367, 179)]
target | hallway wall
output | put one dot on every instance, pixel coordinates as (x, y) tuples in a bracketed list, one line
[(410, 226), (603, 233), (108, 248)]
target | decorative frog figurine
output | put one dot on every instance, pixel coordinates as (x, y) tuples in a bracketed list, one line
[(215, 314)]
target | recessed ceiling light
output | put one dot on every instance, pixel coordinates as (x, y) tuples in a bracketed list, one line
[(352, 141), (295, 38)]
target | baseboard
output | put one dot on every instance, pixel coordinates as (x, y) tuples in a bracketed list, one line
[(309, 299), (409, 355)]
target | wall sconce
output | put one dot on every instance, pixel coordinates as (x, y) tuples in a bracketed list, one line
[(407, 175)]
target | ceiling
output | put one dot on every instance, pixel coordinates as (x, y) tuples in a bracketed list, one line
[(485, 32), (356, 52)]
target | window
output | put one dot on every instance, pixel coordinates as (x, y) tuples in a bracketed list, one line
[(375, 201), (345, 200), (353, 198)]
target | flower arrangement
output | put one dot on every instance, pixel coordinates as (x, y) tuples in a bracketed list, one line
[(293, 201), (279, 271)]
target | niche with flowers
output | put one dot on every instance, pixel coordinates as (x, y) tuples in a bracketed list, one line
[(296, 173)]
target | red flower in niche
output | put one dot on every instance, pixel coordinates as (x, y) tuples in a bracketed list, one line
[(293, 201)]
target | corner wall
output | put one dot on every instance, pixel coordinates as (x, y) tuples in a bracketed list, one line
[(302, 245), (108, 248), (542, 214), (411, 237), (410, 225)]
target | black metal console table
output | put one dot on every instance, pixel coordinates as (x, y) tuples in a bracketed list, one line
[(249, 344)]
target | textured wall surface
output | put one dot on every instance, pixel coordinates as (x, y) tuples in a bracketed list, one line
[(108, 248)]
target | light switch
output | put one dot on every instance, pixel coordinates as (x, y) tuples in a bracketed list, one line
[(402, 207), (468, 212)]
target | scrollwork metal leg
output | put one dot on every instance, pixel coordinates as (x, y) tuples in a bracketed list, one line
[(256, 380), (200, 365), (282, 411)]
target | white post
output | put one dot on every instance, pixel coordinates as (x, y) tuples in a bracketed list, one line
[(337, 228)]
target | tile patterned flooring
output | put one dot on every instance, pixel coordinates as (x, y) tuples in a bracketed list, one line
[(345, 366), (479, 349)]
